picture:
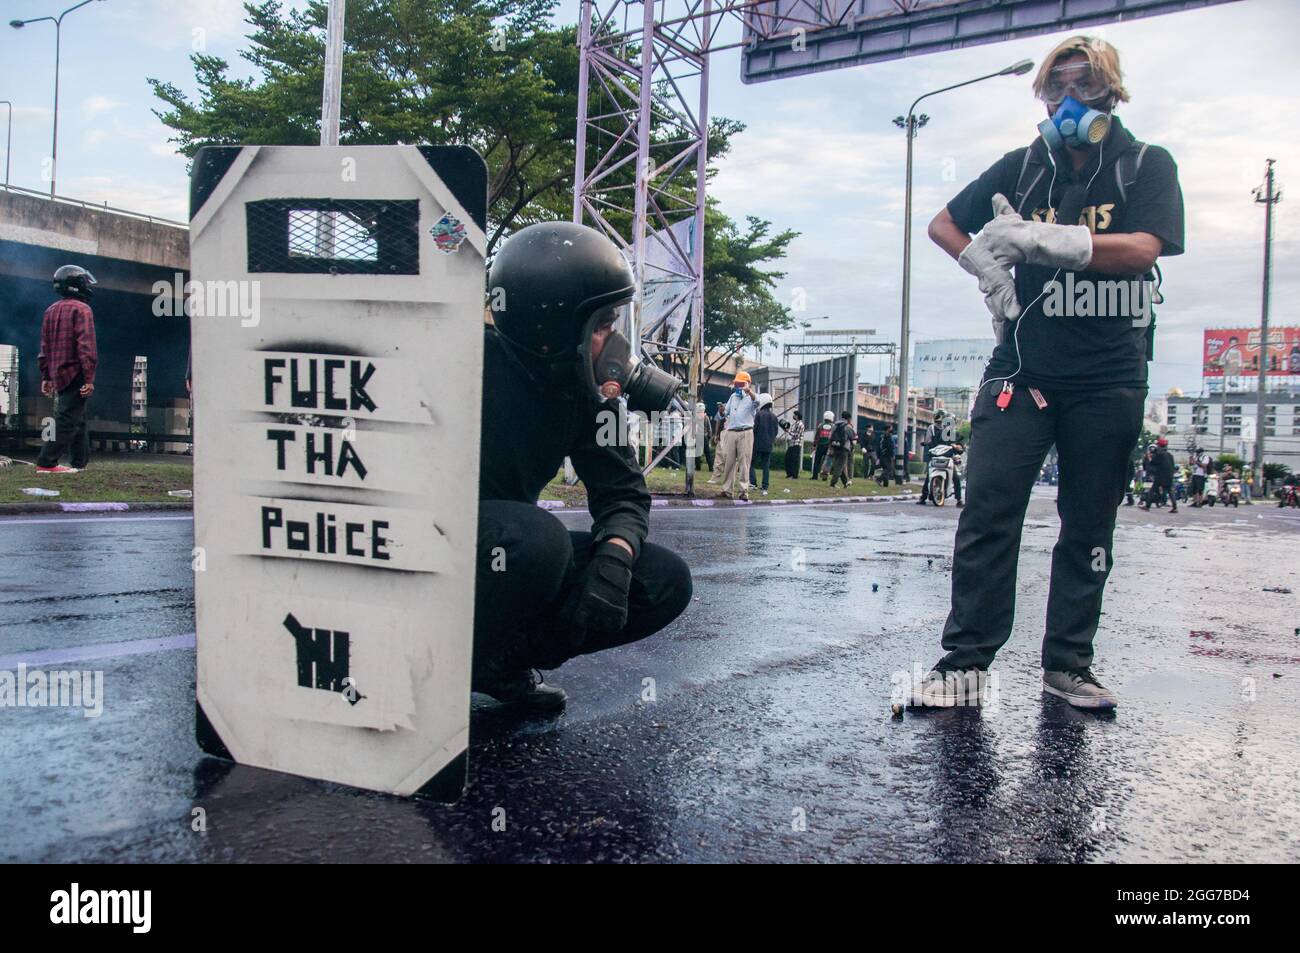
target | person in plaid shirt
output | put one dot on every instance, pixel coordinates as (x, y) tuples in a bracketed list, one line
[(794, 448), (68, 358)]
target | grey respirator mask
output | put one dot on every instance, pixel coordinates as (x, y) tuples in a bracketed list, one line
[(618, 372)]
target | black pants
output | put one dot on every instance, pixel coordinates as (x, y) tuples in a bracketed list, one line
[(886, 469), (793, 461), (528, 563), (761, 460), (70, 433), (1158, 493), (1094, 433), (819, 456), (841, 466)]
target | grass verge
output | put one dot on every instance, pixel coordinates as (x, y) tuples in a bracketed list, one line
[(99, 483)]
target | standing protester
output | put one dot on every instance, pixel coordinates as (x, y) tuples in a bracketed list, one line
[(794, 449), (940, 432), (704, 436), (822, 445), (1200, 462), (842, 440), (1074, 381), (676, 429), (737, 444), (765, 428), (1160, 470), (67, 361), (718, 424), (885, 450), (544, 593)]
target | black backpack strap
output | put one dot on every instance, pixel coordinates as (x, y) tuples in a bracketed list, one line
[(1128, 166), (1031, 170)]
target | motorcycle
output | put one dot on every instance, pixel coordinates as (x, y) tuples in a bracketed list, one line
[(1180, 488), (1231, 491), (1213, 489), (1288, 496), (940, 472)]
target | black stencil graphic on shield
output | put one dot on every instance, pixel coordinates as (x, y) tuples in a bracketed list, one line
[(323, 657)]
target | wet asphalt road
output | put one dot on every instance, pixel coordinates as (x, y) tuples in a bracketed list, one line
[(772, 706)]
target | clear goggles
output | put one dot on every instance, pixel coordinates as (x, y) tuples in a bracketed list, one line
[(1079, 80)]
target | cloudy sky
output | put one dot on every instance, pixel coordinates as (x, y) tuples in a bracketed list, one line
[(820, 155)]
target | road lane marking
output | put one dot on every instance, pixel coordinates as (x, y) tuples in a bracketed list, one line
[(98, 519), (105, 650)]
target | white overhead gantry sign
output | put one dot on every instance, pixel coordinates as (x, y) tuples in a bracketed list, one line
[(337, 364)]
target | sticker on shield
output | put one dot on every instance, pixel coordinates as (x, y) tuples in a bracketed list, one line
[(448, 233)]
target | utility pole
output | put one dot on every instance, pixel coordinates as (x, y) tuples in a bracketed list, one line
[(332, 94), (1223, 409), (1268, 196), (330, 106)]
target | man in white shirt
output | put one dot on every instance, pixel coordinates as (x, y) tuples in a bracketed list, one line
[(1201, 462), (737, 443)]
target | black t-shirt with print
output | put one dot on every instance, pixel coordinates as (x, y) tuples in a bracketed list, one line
[(1088, 330)]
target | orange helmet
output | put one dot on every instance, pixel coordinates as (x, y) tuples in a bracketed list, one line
[(742, 377)]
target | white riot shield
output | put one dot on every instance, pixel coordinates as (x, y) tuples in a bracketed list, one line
[(337, 319)]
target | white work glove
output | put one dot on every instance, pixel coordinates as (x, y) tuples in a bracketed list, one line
[(1012, 238), (995, 283)]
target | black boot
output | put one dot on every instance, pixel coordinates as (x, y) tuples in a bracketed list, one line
[(521, 688)]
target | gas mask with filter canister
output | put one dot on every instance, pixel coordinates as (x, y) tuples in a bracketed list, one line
[(1074, 92), (617, 372)]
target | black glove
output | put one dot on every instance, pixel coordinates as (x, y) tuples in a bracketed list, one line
[(599, 602)]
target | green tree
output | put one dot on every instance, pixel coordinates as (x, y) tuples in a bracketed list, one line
[(492, 74), (1276, 472), (739, 306)]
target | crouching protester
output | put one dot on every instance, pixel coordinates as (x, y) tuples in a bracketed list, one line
[(553, 368), (1081, 214)]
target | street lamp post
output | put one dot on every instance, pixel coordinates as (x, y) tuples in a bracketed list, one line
[(58, 23), (9, 138), (910, 124)]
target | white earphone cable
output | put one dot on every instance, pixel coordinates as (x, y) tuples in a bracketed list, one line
[(1024, 312)]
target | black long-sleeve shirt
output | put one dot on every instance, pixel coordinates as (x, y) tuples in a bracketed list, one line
[(1161, 467), (530, 425), (765, 428)]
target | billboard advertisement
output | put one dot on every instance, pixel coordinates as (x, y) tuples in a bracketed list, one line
[(950, 363), (1234, 352)]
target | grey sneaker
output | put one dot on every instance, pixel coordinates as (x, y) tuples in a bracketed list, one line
[(1080, 688), (949, 689)]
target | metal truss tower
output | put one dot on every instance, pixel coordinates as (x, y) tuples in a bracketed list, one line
[(643, 143)]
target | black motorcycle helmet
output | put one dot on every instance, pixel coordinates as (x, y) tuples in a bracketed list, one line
[(550, 287), (73, 281), (550, 279)]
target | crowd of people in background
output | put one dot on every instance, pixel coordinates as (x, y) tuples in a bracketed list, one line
[(1157, 479), (737, 443)]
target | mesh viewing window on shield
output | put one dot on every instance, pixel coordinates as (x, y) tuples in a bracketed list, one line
[(334, 236)]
